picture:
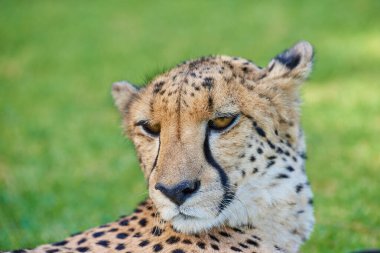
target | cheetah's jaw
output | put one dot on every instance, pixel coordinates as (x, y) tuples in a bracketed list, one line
[(191, 220), (190, 224)]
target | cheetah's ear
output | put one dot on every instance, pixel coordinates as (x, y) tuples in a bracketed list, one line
[(122, 93), (294, 63)]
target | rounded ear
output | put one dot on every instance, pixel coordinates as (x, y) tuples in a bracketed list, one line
[(122, 93), (295, 62)]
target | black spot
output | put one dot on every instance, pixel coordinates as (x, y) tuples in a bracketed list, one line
[(289, 59), (282, 176), (260, 131), (271, 67), (279, 150), (137, 235), (255, 170), (113, 230), (158, 87), (278, 248), (238, 230), (97, 234), (124, 223), (49, 251), (156, 231), (81, 241), (252, 159), (243, 173), (245, 69), (186, 241), (236, 249), (256, 237), (120, 246), (303, 155), (137, 210), (271, 145), (143, 222), (225, 234), (272, 157), (270, 164), (208, 82), (210, 102), (290, 168), (143, 243), (243, 245), (122, 235), (178, 251), (214, 238), (214, 246), (157, 247), (201, 245), (103, 243), (82, 249), (259, 150), (61, 243), (173, 239), (19, 251), (252, 242), (299, 188), (311, 202)]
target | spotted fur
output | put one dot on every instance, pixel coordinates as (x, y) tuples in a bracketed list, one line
[(251, 192)]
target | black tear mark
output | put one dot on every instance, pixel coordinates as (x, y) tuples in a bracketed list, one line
[(228, 195)]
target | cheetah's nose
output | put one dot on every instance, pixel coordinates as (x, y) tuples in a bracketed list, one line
[(180, 192)]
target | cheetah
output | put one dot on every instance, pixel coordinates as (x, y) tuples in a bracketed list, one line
[(221, 148)]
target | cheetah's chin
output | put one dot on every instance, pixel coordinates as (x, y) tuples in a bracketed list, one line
[(190, 224)]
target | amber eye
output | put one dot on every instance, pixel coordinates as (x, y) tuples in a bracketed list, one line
[(152, 129), (221, 123)]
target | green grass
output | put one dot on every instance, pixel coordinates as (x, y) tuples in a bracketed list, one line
[(64, 165)]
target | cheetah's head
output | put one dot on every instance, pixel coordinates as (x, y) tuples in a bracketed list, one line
[(207, 130)]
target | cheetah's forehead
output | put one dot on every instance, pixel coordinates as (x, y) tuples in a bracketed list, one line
[(201, 87)]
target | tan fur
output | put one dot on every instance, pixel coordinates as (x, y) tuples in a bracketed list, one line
[(261, 157)]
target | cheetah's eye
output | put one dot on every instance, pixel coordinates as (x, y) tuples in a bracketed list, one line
[(151, 129), (222, 123)]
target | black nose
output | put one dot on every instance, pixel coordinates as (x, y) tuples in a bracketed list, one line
[(180, 192)]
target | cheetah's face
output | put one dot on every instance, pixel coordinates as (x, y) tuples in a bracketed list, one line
[(197, 130)]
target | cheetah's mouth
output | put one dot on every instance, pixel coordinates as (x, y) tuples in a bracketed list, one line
[(186, 216)]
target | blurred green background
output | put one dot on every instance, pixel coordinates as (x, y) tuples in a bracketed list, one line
[(64, 165)]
